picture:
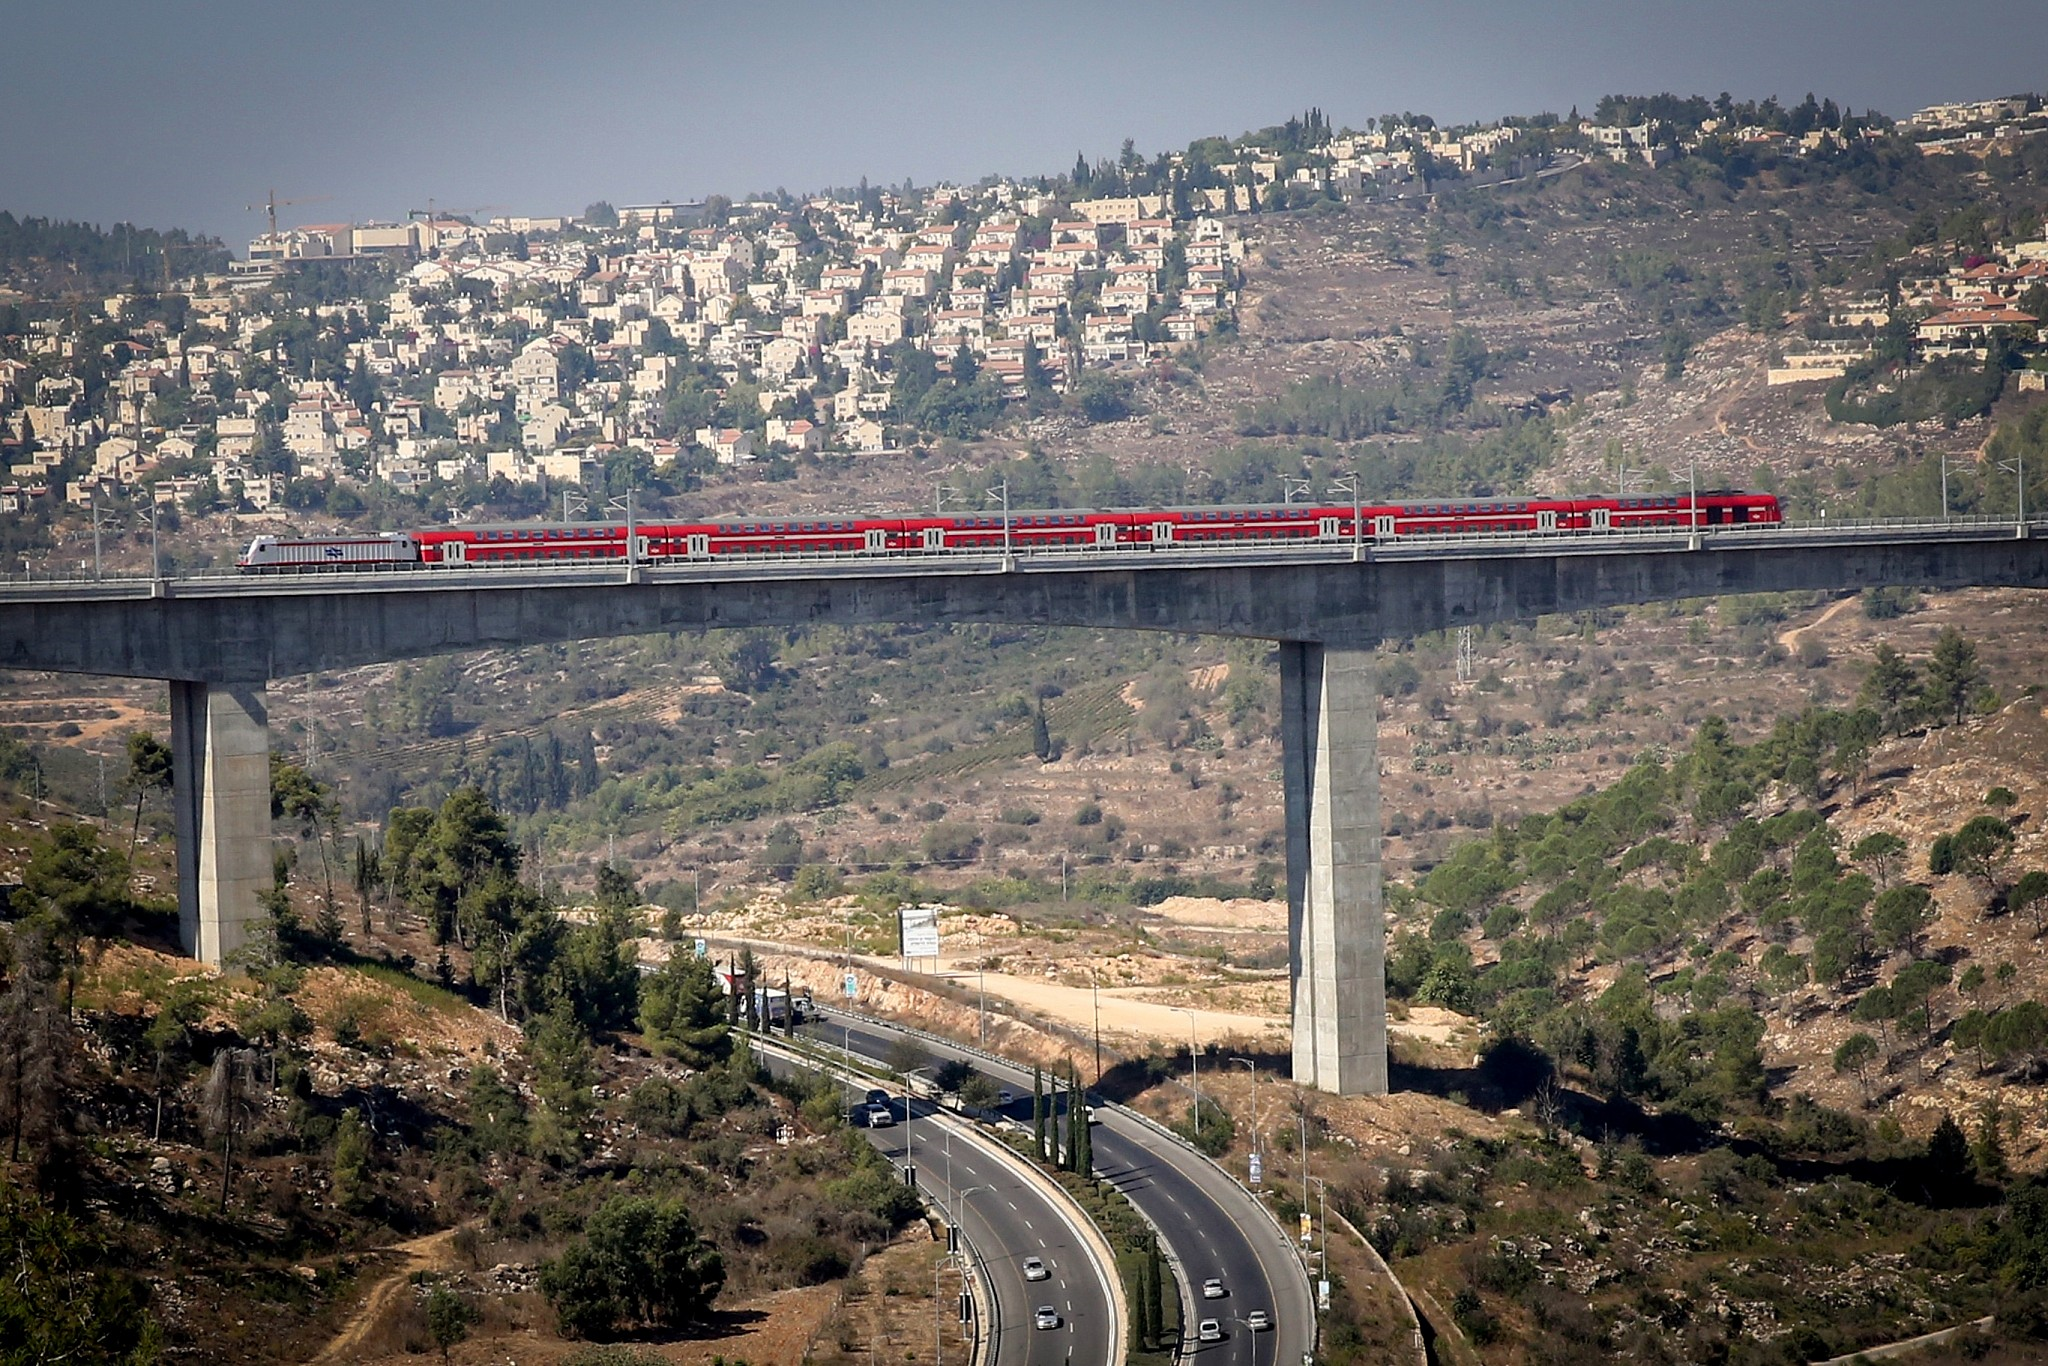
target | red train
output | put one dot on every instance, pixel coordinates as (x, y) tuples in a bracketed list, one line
[(536, 542)]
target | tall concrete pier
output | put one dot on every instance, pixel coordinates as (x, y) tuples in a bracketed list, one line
[(220, 742), (221, 640), (1336, 930)]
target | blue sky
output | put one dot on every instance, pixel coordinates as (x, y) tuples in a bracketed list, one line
[(182, 114)]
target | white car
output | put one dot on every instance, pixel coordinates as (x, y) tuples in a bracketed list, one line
[(1212, 1289), (880, 1117), (1210, 1331), (1046, 1317), (1258, 1320), (1004, 1099), (1034, 1269)]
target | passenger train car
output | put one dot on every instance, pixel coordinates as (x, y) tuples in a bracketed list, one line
[(656, 542)]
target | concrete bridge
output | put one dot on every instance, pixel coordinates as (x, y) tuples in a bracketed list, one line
[(219, 640)]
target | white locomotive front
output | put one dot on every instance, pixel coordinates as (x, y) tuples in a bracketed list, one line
[(330, 553)]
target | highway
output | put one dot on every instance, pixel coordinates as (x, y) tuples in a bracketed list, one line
[(1208, 1221), (1004, 1217)]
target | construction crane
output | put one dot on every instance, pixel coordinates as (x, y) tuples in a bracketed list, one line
[(270, 206)]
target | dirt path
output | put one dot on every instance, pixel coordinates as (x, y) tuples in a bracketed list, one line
[(1788, 639), (1131, 1016), (430, 1253), (1121, 1015)]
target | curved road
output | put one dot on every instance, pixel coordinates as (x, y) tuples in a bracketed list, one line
[(1004, 1217), (1208, 1221)]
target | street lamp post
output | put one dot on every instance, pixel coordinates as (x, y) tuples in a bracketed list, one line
[(1253, 1068), (1194, 1077), (909, 1134), (960, 1202), (1323, 1218), (1305, 1177)]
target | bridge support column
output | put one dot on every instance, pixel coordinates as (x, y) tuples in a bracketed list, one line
[(1329, 719), (220, 742)]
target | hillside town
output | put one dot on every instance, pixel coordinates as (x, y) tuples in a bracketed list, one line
[(530, 350)]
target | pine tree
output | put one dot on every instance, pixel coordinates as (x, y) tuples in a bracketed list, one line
[(1953, 674), (1041, 735), (1988, 1150)]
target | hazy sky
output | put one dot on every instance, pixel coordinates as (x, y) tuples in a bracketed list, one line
[(183, 113)]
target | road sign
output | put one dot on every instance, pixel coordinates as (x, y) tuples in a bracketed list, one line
[(703, 949), (851, 986), (918, 929), (1308, 1227), (1322, 1294), (1257, 1169)]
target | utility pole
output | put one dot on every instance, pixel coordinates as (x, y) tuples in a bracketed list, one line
[(96, 539), (1354, 485), (1095, 995), (1002, 490), (2018, 469), (155, 560), (1194, 1076), (1257, 1160)]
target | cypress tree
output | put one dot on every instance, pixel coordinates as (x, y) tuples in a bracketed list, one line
[(1038, 1108), (1136, 1286), (1156, 1303), (1084, 1161), (1147, 1306), (1077, 1124)]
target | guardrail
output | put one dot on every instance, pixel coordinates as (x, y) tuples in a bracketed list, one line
[(1147, 1122), (1083, 1224), (1024, 559), (987, 1325)]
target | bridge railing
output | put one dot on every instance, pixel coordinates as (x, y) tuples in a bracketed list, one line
[(993, 559)]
